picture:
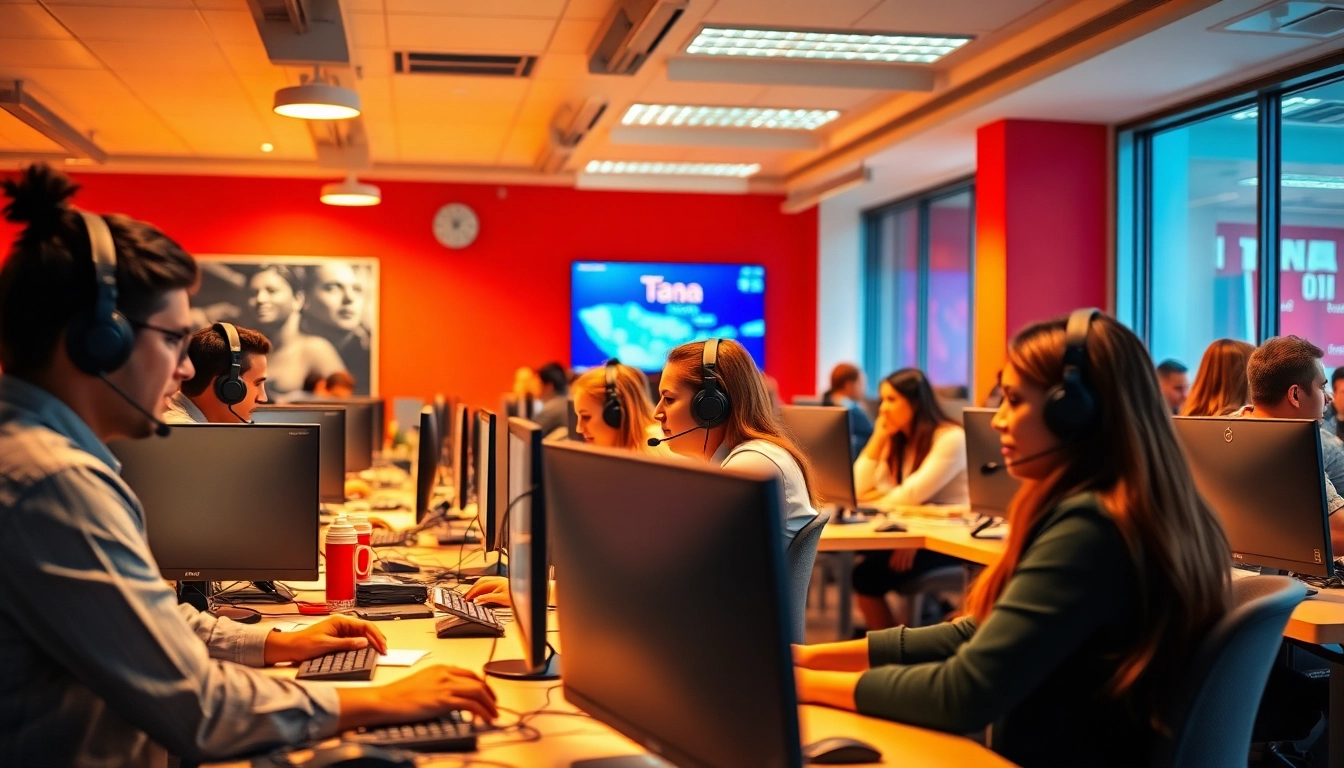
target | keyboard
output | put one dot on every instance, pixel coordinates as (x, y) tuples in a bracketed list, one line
[(341, 665), (450, 733), (449, 601), (386, 538)]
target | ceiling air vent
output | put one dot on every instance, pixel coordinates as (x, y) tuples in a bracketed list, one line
[(463, 64), (1328, 113), (1298, 18), (1326, 22)]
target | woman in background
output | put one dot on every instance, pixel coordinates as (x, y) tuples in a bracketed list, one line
[(632, 412), (276, 297), (1221, 386)]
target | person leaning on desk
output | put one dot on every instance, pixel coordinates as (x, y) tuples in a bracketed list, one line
[(102, 666), (1113, 572)]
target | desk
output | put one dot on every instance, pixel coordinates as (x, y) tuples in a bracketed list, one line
[(567, 738), (944, 536)]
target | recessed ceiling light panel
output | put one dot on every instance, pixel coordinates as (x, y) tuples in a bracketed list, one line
[(728, 117), (731, 170), (836, 45)]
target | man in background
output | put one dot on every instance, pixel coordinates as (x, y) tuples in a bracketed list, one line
[(1174, 379), (198, 401)]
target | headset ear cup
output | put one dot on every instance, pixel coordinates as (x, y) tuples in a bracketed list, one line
[(710, 408), (612, 414), (1069, 408), (99, 344), (230, 391)]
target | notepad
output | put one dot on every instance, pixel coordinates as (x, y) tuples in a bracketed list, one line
[(401, 657)]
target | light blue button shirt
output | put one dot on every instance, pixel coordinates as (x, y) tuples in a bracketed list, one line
[(101, 666)]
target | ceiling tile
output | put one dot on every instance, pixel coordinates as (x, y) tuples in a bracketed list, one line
[(367, 30), (588, 9), (183, 59), (29, 21), (222, 5), (814, 98), (946, 16), (51, 54), (382, 136), (234, 27), (126, 3), (468, 35), (428, 92), (524, 145), (727, 94), (248, 57), (536, 9), (573, 36), (561, 66), (142, 25), (373, 62), (793, 13), (362, 6)]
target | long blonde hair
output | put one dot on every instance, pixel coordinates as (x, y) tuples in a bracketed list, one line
[(752, 415), (632, 392), (1221, 384), (1132, 461)]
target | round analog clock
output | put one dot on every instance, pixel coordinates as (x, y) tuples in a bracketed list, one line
[(456, 225)]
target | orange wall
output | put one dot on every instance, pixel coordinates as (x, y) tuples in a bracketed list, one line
[(460, 322)]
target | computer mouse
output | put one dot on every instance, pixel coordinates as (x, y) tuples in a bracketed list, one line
[(839, 750), (890, 526), (359, 756)]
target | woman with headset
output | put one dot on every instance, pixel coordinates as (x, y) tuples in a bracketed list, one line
[(1114, 571), (916, 455), (714, 386)]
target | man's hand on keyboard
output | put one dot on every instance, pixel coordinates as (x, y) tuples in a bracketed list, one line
[(437, 689), (338, 633), (489, 590)]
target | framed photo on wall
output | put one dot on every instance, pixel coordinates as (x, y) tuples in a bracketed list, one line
[(320, 314)]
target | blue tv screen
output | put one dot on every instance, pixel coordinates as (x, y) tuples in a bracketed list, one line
[(637, 312)]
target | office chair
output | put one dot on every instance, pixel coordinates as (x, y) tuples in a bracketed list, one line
[(799, 558), (1215, 707), (949, 578)]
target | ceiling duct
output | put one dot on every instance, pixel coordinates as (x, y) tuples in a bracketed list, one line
[(630, 33), (25, 107), (490, 65), (567, 130), (301, 32)]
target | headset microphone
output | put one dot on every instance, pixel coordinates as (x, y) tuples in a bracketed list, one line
[(654, 442), (990, 467), (160, 428)]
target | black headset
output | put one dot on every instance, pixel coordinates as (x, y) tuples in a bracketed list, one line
[(229, 386), (613, 415), (1071, 406), (99, 339), (710, 405)]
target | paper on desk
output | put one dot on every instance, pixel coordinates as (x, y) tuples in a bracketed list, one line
[(401, 657)]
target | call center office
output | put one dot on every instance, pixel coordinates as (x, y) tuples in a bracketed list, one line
[(913, 206)]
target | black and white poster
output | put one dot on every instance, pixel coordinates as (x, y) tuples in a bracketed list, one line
[(320, 313)]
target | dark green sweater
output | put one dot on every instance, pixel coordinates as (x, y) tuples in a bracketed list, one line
[(1037, 669)]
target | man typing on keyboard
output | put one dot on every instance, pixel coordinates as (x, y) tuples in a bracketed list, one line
[(102, 666)]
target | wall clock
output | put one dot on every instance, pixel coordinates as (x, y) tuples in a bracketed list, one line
[(456, 226)]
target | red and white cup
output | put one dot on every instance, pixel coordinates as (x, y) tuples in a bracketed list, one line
[(364, 550), (339, 550)]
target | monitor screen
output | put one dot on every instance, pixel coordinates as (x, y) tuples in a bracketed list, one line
[(990, 486), (461, 436), (637, 312), (484, 468), (426, 463), (228, 502), (528, 575), (823, 434), (331, 423), (360, 428)]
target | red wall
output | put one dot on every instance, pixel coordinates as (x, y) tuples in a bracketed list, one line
[(460, 322)]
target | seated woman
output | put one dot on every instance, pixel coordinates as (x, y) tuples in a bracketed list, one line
[(1221, 386), (917, 455), (613, 411), (1114, 571)]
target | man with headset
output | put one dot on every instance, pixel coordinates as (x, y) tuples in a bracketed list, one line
[(101, 665), (230, 378)]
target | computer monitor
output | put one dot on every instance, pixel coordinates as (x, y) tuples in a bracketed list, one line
[(406, 412), (359, 430), (823, 434), (426, 463), (529, 574), (572, 421), (485, 479), (1263, 479), (461, 464), (639, 545), (331, 430), (228, 502), (990, 486)]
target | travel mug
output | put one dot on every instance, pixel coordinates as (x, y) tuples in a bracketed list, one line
[(364, 549), (340, 555)]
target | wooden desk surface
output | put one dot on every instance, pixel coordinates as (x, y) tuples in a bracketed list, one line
[(948, 537)]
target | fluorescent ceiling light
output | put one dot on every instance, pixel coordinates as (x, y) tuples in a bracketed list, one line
[(351, 193), (1288, 107), (1302, 181), (819, 44), (728, 117), (733, 170)]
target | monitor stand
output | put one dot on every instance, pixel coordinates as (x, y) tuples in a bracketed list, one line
[(198, 594), (517, 669)]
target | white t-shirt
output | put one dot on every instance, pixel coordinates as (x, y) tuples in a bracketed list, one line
[(765, 456), (940, 479)]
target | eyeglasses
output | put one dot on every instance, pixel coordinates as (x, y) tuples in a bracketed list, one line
[(177, 338)]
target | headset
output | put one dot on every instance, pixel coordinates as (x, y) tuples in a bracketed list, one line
[(613, 415), (1071, 407), (99, 339), (229, 386), (710, 405)]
